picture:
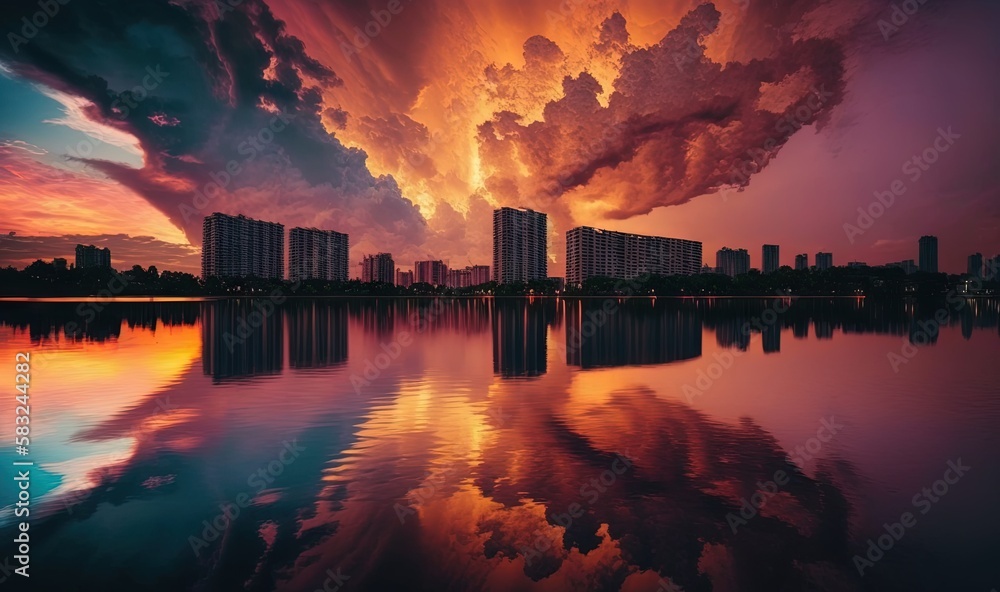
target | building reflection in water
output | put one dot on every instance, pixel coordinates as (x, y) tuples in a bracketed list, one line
[(520, 336), (93, 321), (603, 333), (379, 315), (770, 338), (241, 338), (495, 476), (317, 333)]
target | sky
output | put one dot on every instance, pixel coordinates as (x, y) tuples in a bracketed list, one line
[(404, 123)]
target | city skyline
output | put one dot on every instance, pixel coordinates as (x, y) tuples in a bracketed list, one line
[(324, 143), (328, 256), (528, 295)]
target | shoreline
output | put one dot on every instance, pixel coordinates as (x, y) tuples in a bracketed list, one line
[(192, 299)]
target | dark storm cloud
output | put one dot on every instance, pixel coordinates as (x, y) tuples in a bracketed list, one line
[(221, 76)]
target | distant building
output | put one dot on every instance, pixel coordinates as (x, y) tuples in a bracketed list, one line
[(857, 264), (592, 252), (824, 260), (802, 261), (708, 269), (434, 273), (771, 259), (929, 254), (237, 246), (59, 263), (976, 265), (378, 268), (317, 255), (520, 251), (404, 279), (480, 274), (91, 256), (908, 265), (992, 268), (733, 262), (469, 276), (459, 278)]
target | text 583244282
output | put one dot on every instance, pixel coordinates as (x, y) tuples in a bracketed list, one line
[(22, 412), (22, 434)]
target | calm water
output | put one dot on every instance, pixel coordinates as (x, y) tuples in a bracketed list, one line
[(509, 445)]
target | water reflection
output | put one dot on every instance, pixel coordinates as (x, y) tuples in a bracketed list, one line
[(443, 474), (520, 336), (317, 333), (605, 333), (241, 338)]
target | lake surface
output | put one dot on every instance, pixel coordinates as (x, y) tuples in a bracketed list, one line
[(642, 445)]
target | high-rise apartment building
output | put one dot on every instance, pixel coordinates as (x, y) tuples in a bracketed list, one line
[(929, 254), (976, 265), (468, 276), (732, 262), (434, 273), (91, 256), (480, 274), (770, 259), (520, 251), (802, 261), (378, 268), (404, 279), (459, 278), (592, 252), (908, 266), (315, 254), (237, 246), (824, 260)]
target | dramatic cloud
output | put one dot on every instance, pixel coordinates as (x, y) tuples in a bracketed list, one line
[(224, 105), (40, 198), (404, 126)]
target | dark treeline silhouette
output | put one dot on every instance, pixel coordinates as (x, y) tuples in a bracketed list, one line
[(92, 321), (42, 279), (837, 281)]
